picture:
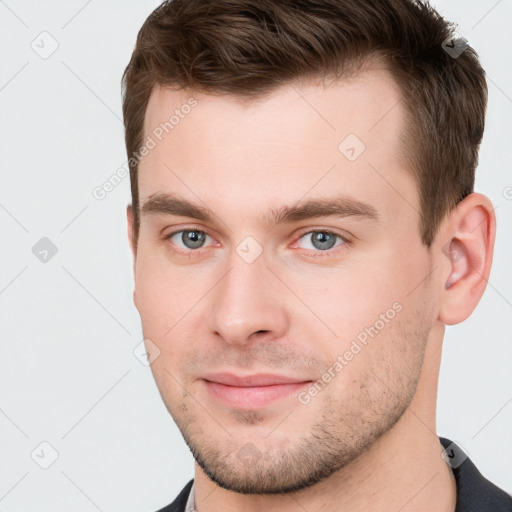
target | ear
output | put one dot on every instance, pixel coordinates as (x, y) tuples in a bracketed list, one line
[(467, 239), (133, 244)]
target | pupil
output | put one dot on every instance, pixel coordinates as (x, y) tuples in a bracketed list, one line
[(322, 240)]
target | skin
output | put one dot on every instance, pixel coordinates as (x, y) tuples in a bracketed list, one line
[(367, 440)]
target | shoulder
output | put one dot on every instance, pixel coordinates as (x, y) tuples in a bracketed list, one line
[(178, 505)]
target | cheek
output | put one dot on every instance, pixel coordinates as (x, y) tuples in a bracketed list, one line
[(171, 302), (347, 300), (382, 361), (369, 306), (155, 301), (165, 293), (163, 300)]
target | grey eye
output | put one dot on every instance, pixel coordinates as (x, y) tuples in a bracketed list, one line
[(189, 238), (320, 240), (193, 239)]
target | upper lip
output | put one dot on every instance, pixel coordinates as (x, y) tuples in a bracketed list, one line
[(261, 379)]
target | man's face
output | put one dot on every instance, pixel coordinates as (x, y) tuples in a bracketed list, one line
[(275, 297)]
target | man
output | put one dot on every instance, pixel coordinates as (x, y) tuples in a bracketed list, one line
[(303, 226)]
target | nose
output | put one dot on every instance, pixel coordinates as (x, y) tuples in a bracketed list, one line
[(248, 304)]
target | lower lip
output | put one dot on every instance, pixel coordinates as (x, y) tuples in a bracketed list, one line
[(252, 397)]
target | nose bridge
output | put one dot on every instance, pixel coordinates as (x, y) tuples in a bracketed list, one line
[(245, 302)]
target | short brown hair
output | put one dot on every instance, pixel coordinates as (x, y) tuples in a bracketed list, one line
[(248, 48)]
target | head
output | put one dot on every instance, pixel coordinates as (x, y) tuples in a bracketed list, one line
[(302, 206)]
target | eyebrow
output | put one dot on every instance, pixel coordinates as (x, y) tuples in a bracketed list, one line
[(342, 206)]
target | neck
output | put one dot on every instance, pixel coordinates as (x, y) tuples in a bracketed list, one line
[(403, 470)]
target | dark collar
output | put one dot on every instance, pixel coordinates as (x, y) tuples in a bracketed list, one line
[(474, 492), (178, 505)]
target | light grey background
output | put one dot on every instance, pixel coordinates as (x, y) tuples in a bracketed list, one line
[(69, 327)]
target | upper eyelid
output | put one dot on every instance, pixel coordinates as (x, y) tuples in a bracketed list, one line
[(297, 236), (174, 233), (344, 237), (307, 231)]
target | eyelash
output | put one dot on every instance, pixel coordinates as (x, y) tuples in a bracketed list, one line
[(315, 254)]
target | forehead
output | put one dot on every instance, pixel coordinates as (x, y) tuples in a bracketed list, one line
[(358, 103), (302, 139)]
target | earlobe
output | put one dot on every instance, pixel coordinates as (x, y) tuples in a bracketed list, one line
[(469, 241)]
